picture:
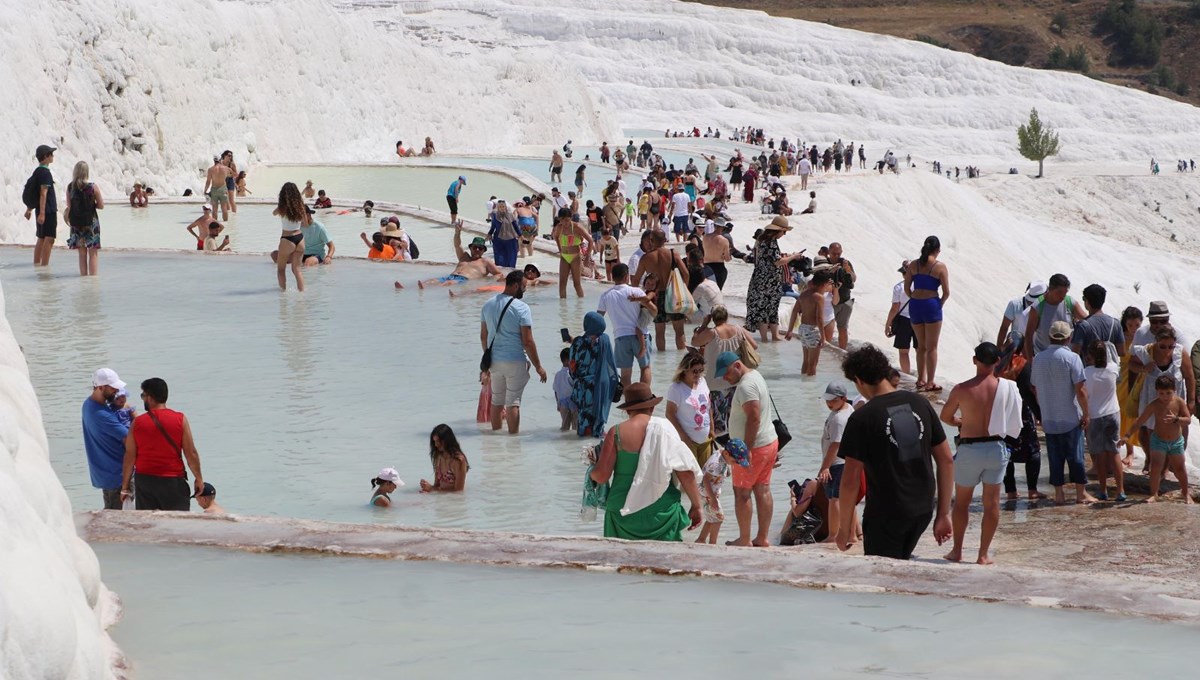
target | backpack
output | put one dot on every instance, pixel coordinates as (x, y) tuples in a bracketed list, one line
[(1041, 303), (31, 196), (81, 211), (413, 250)]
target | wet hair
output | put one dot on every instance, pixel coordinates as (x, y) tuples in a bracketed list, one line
[(1098, 351), (79, 177), (369, 204), (377, 239), (291, 204), (719, 314), (449, 442), (866, 364), (565, 355), (620, 271), (156, 389), (690, 360), (931, 245), (377, 482), (1166, 381), (1060, 281), (1130, 313), (1165, 331), (1095, 295), (320, 192)]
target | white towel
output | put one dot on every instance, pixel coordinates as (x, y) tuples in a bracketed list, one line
[(663, 453), (1006, 410)]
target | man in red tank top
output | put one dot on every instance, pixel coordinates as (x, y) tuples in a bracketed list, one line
[(159, 441)]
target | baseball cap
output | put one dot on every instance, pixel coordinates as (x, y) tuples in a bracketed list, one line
[(988, 353), (106, 377), (208, 490), (903, 267), (737, 450), (1060, 330), (207, 208), (1035, 290), (724, 361), (390, 475), (462, 178), (834, 390), (43, 151)]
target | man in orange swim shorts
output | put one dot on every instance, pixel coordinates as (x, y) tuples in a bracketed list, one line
[(750, 420)]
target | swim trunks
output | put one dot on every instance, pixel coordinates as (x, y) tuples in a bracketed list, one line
[(980, 462), (810, 336), (925, 311), (1172, 448), (219, 194), (453, 278)]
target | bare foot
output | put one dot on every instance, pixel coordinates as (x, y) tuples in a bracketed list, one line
[(760, 544), (421, 285), (1187, 499), (1087, 498), (399, 286), (984, 560), (1036, 495), (1152, 499), (1012, 496), (738, 543), (450, 292), (831, 539), (954, 556)]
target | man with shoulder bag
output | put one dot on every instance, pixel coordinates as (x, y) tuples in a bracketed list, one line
[(158, 443)]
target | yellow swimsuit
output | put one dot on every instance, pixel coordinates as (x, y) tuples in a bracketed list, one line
[(566, 241)]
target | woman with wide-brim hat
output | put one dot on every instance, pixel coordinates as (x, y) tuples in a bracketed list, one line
[(650, 468), (766, 283)]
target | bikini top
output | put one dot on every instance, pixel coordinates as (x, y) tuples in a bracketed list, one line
[(925, 282)]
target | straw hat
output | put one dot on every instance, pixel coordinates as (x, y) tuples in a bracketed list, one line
[(780, 223), (638, 396), (392, 232)]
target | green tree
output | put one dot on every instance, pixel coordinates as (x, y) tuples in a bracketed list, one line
[(1036, 141)]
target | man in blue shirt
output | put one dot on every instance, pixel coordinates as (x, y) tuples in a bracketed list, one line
[(1058, 383), (506, 325), (104, 437), (452, 197)]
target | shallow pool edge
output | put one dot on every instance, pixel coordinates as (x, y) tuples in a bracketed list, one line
[(805, 567)]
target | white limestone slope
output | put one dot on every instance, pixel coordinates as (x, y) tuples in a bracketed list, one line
[(148, 90), (53, 607)]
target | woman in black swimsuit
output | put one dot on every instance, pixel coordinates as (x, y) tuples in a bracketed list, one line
[(293, 215)]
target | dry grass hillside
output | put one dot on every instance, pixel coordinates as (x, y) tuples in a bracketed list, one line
[(1147, 44)]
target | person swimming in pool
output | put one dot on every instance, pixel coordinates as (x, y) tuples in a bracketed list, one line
[(533, 277), (199, 227), (471, 265), (382, 487), (570, 235), (528, 225)]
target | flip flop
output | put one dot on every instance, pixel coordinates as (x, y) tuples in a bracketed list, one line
[(921, 386), (933, 387)]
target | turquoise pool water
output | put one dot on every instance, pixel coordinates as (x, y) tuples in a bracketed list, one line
[(270, 617), (297, 400)]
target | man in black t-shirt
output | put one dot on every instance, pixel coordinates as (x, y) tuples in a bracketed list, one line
[(46, 207), (896, 437)]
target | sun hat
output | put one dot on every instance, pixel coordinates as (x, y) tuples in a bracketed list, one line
[(1158, 308), (1060, 330), (1035, 290), (392, 232), (478, 242), (835, 390), (736, 448), (390, 475), (638, 396), (780, 223), (106, 377), (724, 361)]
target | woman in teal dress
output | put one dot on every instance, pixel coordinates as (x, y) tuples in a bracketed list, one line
[(649, 449)]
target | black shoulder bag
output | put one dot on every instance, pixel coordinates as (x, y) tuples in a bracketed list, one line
[(486, 362), (781, 428)]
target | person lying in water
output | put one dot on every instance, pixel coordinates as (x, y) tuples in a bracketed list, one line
[(471, 265), (533, 277)]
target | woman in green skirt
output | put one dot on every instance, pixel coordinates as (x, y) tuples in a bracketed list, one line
[(647, 465)]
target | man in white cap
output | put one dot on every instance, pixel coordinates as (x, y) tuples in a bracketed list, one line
[(840, 410), (899, 325), (1016, 311), (104, 436), (1058, 383)]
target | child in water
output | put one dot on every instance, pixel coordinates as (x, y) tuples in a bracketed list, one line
[(611, 249), (716, 470), (563, 385), (449, 462), (1170, 414), (383, 485), (125, 413)]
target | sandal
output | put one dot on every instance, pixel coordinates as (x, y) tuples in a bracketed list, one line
[(921, 386), (933, 387)]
